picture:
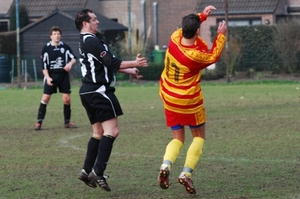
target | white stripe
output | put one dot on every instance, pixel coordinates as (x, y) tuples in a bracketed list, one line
[(46, 60), (65, 142), (91, 58), (101, 91)]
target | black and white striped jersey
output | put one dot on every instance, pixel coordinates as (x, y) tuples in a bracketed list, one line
[(54, 58), (98, 64)]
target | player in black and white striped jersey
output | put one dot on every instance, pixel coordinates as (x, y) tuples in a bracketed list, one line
[(57, 60), (98, 66)]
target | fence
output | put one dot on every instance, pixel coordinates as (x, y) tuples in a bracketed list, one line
[(30, 69)]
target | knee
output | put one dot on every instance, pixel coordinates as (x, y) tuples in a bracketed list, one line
[(97, 135), (113, 132), (66, 100), (45, 99)]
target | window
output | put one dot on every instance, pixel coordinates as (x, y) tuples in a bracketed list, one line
[(3, 26), (242, 21)]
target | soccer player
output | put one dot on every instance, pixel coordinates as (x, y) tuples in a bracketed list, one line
[(98, 66), (180, 91), (57, 60)]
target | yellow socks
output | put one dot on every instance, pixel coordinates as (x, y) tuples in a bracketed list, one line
[(171, 153), (193, 155)]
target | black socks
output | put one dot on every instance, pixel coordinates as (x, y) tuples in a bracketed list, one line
[(104, 151), (41, 112), (67, 113), (91, 154)]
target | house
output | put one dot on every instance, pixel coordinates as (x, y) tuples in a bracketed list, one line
[(153, 21), (35, 35), (243, 13), (4, 16)]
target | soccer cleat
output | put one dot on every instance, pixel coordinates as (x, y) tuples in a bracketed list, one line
[(37, 126), (163, 178), (70, 125), (84, 177), (100, 180), (187, 182)]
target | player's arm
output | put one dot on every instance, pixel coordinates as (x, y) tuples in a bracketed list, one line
[(138, 62), (47, 76), (45, 65), (131, 71), (71, 59), (108, 59), (115, 64), (69, 65), (203, 15), (209, 57)]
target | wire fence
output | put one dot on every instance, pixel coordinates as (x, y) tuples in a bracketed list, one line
[(30, 69)]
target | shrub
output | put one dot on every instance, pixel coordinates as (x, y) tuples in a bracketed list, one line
[(152, 72)]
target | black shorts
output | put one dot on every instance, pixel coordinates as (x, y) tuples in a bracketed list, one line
[(60, 81), (100, 105)]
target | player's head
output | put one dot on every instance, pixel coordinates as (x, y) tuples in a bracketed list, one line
[(190, 25), (55, 29), (55, 34), (87, 20)]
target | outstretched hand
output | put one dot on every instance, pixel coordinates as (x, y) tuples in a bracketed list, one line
[(134, 72), (141, 61), (222, 27), (208, 9)]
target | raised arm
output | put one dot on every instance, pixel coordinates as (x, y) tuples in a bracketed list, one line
[(138, 62), (206, 12)]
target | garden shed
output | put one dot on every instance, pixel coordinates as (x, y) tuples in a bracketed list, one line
[(34, 36)]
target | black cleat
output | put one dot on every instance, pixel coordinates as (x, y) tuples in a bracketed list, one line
[(84, 177), (37, 126), (100, 180), (70, 125)]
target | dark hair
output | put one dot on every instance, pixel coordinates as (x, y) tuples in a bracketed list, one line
[(82, 15), (190, 25), (55, 28)]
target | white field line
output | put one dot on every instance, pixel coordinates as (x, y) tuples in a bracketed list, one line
[(66, 143)]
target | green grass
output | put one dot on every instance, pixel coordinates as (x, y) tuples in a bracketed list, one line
[(252, 147)]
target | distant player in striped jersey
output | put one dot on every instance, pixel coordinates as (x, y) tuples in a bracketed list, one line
[(57, 60), (180, 90)]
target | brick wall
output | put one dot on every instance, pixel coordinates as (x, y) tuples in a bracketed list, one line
[(169, 16), (293, 2)]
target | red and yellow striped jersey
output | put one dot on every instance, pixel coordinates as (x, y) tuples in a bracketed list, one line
[(180, 87)]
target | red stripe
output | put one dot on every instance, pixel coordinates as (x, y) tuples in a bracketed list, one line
[(180, 56), (177, 86), (179, 96), (182, 106)]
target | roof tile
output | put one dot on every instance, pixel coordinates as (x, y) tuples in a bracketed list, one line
[(240, 6), (44, 7)]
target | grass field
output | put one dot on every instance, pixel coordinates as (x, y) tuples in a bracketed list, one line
[(252, 149)]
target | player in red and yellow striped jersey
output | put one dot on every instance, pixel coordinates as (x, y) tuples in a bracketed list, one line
[(180, 90)]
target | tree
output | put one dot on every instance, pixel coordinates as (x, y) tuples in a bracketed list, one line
[(287, 44), (23, 17)]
